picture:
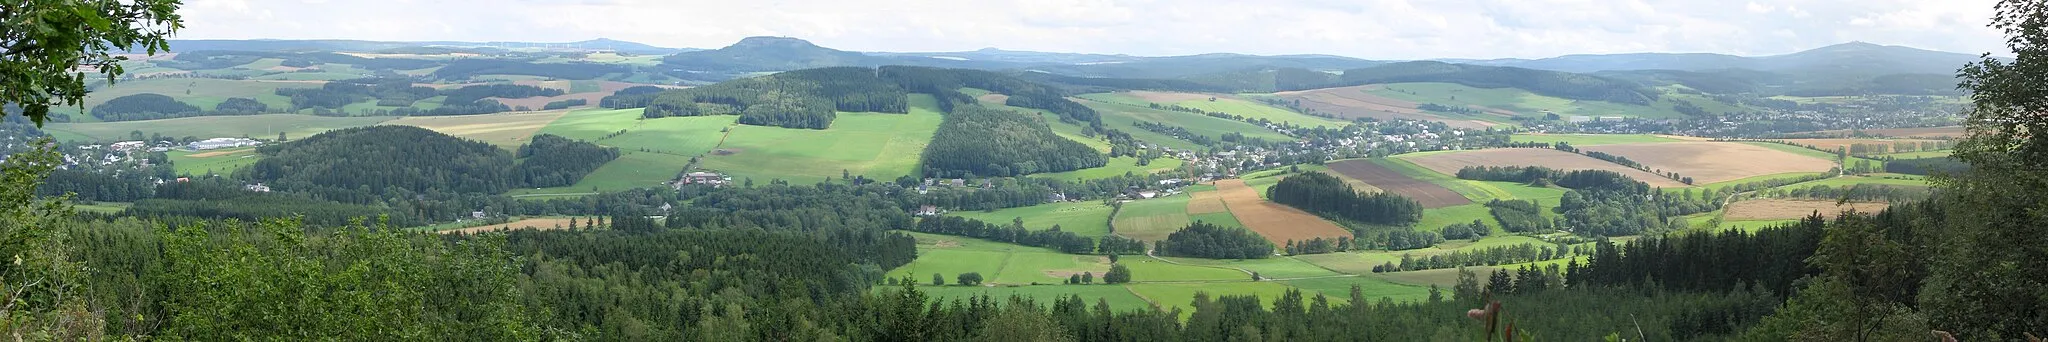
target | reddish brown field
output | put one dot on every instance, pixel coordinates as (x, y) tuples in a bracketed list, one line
[(1450, 163), (1778, 209), (1831, 144), (1277, 223), (532, 223), (1712, 162), (1429, 194), (1354, 102)]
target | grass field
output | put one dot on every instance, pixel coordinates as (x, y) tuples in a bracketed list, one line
[(1846, 181), (1181, 296), (1088, 218), (1120, 299), (1271, 268), (1723, 185), (204, 93), (255, 126), (998, 263), (213, 161), (505, 130), (1116, 114), (1590, 139), (1250, 109), (1362, 262), (1116, 167), (1153, 219), (650, 151), (1373, 287), (1515, 99), (877, 145)]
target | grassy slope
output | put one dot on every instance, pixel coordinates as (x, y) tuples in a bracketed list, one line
[(1116, 167), (183, 163), (204, 93), (1518, 100), (1153, 219), (255, 126), (668, 144), (1088, 218), (1251, 109), (877, 145), (1118, 115)]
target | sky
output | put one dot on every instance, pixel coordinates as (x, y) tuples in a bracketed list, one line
[(1373, 29)]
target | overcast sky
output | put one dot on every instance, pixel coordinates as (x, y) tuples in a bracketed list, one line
[(1374, 29)]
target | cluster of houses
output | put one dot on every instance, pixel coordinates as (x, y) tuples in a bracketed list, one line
[(713, 179)]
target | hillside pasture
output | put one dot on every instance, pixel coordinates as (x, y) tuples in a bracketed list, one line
[(1782, 209), (1116, 167), (1338, 289), (1120, 299), (651, 151), (1216, 103), (1086, 218), (1122, 116), (212, 162), (1153, 219), (1450, 163), (202, 92), (265, 126), (1277, 223), (876, 145), (1429, 194), (1713, 162), (1518, 101), (505, 130), (1360, 102), (998, 263)]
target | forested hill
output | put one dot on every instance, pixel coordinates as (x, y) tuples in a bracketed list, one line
[(1552, 83), (367, 165), (810, 98), (980, 142)]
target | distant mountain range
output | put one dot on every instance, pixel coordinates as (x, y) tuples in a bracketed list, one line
[(280, 45), (1848, 68)]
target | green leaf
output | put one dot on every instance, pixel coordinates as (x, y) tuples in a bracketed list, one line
[(98, 23)]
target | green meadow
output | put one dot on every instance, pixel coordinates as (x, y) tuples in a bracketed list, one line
[(1517, 100), (264, 126), (651, 151), (1116, 167), (1251, 109), (224, 161), (1086, 218), (877, 145)]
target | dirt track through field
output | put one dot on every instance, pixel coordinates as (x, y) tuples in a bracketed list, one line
[(1429, 194), (1712, 162), (1779, 209), (1450, 163), (1354, 102), (1278, 223)]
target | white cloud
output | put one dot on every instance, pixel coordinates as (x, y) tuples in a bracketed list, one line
[(1379, 29)]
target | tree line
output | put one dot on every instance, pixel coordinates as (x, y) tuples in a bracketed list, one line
[(1320, 193), (1210, 241)]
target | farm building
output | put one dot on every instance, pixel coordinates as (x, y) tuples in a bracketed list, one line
[(220, 143), (709, 178)]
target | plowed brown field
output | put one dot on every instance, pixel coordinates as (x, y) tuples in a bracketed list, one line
[(1450, 163), (1429, 194), (1711, 162), (1354, 102), (1277, 223)]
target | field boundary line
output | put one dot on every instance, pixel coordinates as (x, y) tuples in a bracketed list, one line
[(1148, 300), (1148, 253)]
